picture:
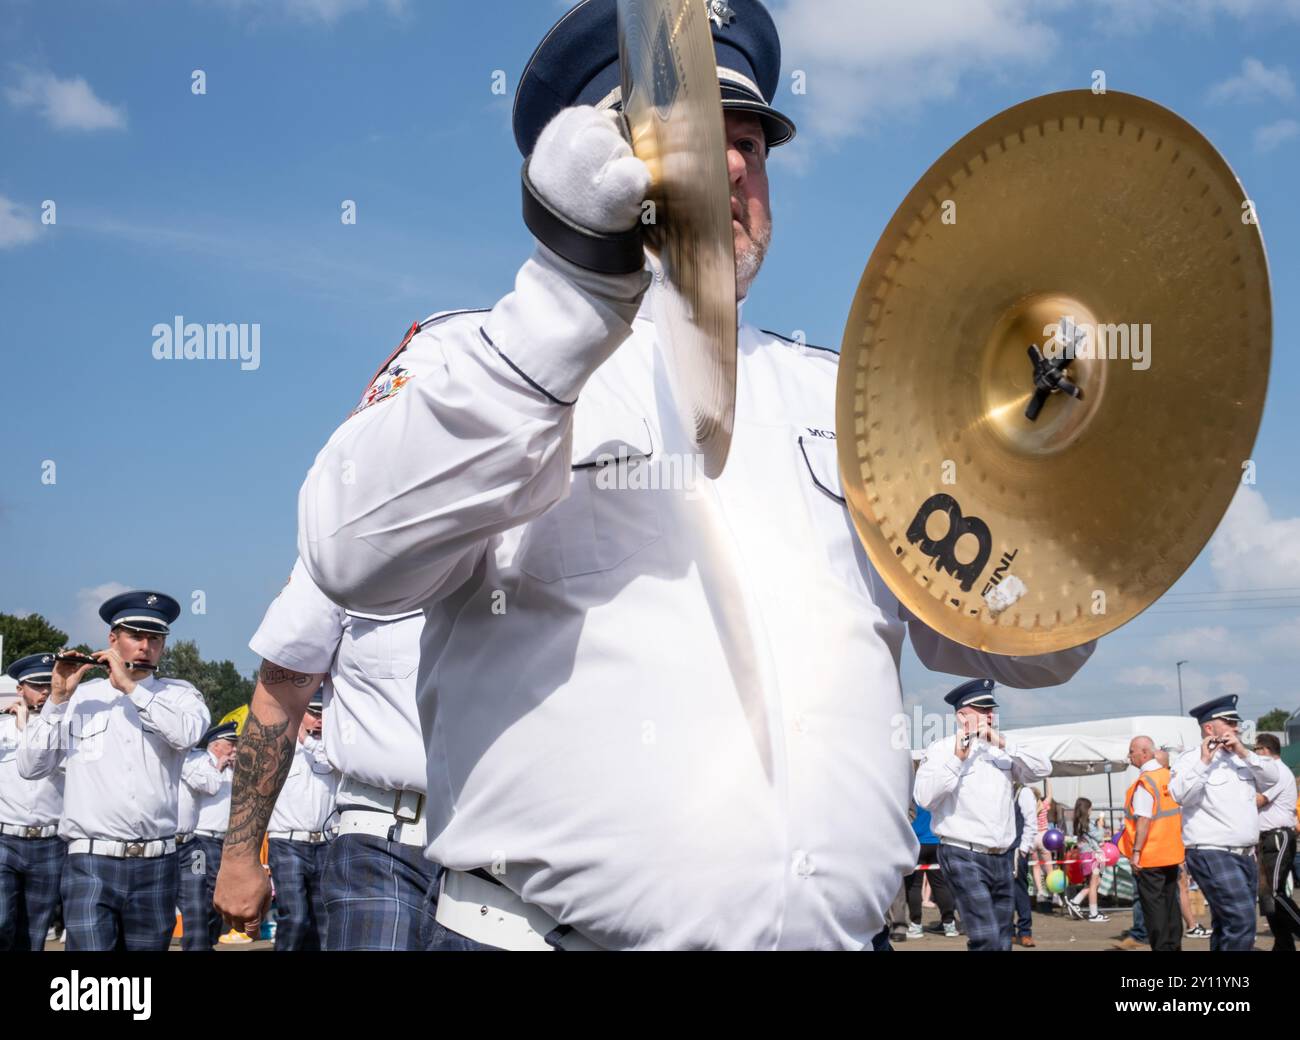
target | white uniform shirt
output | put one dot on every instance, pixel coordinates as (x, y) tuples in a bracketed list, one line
[(1218, 800), (664, 711), (23, 802), (1029, 811), (204, 794), (1279, 812), (1143, 803), (371, 729), (971, 800), (307, 798), (123, 756)]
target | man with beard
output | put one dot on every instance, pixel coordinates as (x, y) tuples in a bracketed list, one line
[(656, 714)]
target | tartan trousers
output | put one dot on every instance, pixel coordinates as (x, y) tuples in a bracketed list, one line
[(982, 885), (30, 871), (199, 860), (119, 904), (374, 892), (1229, 883), (300, 915)]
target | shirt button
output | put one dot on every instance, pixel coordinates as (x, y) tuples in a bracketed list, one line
[(802, 864)]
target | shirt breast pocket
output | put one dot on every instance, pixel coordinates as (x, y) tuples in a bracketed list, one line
[(378, 651), (611, 513), (824, 496)]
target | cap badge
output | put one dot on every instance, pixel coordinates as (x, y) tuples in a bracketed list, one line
[(720, 13), (151, 600)]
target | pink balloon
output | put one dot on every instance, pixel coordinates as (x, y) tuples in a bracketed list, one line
[(1110, 853)]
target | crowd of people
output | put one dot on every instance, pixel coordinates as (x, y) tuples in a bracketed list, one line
[(1223, 816)]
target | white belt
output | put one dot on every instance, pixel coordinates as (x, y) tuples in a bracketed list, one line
[(404, 806), (987, 850), (1236, 850), (384, 825), (209, 834), (181, 839), (491, 914), (310, 837), (16, 831), (122, 849)]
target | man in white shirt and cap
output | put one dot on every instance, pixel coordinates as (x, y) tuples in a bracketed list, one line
[(968, 782), (652, 706), (375, 875), (1216, 784), (203, 816), (1277, 837), (298, 838), (123, 741), (31, 851)]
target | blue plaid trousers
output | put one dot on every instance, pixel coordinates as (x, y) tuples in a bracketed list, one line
[(1229, 883), (30, 869), (300, 915), (374, 892), (119, 904), (983, 888), (199, 860)]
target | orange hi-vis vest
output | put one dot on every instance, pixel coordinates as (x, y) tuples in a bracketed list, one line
[(1164, 844)]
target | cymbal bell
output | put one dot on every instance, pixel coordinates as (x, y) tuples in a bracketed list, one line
[(673, 107), (1022, 502)]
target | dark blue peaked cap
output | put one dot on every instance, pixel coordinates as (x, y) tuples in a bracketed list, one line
[(577, 64), (34, 668), (221, 731), (143, 611), (1219, 708), (978, 693)]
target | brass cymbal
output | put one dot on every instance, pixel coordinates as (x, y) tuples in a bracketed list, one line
[(1115, 220), (673, 109)]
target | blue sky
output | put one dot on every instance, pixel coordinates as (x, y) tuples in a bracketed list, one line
[(225, 207)]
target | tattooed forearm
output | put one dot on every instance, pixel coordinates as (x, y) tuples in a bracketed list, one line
[(261, 765), (274, 675)]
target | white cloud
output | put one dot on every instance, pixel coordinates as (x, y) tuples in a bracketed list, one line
[(324, 12), (86, 625), (869, 62), (1252, 549), (68, 104), (1125, 15), (1282, 640), (16, 227), (1256, 82), (1269, 137), (1197, 686), (1206, 643)]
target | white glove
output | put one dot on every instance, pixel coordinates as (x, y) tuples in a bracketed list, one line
[(585, 170)]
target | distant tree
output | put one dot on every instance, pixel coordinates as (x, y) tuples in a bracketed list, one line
[(223, 688), (1273, 722), (28, 635)]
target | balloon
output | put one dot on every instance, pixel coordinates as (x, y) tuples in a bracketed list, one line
[(1054, 840), (1110, 853), (1056, 881)]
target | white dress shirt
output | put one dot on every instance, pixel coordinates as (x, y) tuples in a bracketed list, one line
[(655, 704), (1279, 810), (23, 802), (123, 756), (1143, 803), (1029, 810), (1218, 800), (371, 729), (307, 798), (204, 794), (971, 800)]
